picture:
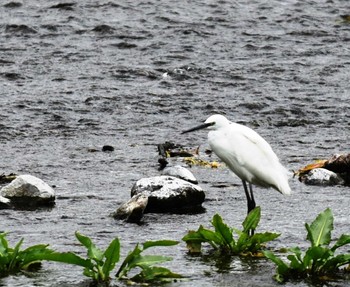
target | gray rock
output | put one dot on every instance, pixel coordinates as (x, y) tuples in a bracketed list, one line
[(132, 211), (321, 176), (28, 190), (180, 172), (168, 193), (4, 202)]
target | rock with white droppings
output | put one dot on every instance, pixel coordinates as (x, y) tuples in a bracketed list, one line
[(169, 194), (180, 172), (28, 190), (321, 176), (132, 210)]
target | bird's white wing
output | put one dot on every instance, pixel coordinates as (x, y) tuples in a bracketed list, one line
[(248, 155)]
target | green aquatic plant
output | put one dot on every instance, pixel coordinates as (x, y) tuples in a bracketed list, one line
[(98, 264), (319, 260), (149, 272), (14, 260), (222, 237)]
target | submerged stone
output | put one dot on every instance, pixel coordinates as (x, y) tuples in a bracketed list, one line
[(321, 176), (168, 194), (28, 190), (180, 172), (132, 210)]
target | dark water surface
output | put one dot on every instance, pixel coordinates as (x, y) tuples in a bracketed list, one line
[(133, 74)]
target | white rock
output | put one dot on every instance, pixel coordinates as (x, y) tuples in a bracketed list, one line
[(28, 186), (166, 193), (4, 200), (321, 176), (4, 203), (180, 172)]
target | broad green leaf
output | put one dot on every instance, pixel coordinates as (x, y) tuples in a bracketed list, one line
[(93, 251), (14, 254), (148, 260), (33, 254), (3, 243), (125, 267), (149, 244), (336, 262), (154, 273), (243, 241), (193, 241), (112, 256), (319, 232), (212, 237), (64, 257), (204, 235), (252, 220), (298, 253), (315, 257), (295, 263), (194, 236), (237, 231), (222, 229), (253, 243), (282, 267), (343, 240), (264, 237)]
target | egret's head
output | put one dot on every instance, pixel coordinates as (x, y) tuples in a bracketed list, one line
[(214, 122)]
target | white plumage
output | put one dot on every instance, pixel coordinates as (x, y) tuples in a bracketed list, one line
[(247, 155)]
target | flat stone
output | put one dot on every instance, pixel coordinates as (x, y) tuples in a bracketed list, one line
[(168, 194)]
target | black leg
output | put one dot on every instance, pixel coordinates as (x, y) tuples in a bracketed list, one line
[(249, 195), (250, 200)]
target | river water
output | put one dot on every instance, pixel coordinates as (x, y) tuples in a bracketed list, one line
[(77, 75)]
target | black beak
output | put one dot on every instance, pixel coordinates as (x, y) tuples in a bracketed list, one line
[(203, 126)]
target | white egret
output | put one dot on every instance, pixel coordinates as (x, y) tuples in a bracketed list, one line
[(246, 154)]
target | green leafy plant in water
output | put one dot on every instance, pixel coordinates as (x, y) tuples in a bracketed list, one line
[(14, 260), (222, 237), (149, 272), (319, 260), (98, 265)]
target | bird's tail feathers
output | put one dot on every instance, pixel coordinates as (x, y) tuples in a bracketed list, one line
[(285, 188), (283, 185)]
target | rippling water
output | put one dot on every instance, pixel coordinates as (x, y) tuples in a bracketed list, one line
[(76, 76)]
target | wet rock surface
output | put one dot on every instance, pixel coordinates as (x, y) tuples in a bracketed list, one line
[(322, 177), (168, 194), (180, 172), (133, 209), (28, 191), (334, 171)]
